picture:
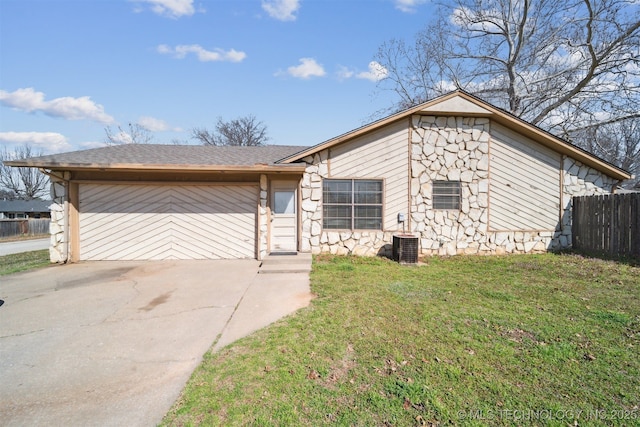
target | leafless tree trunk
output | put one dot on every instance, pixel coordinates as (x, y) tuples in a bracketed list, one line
[(23, 183), (243, 131)]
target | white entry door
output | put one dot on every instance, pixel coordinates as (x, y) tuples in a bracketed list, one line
[(283, 216)]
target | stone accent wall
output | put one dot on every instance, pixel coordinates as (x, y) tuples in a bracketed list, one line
[(453, 149), (578, 180), (263, 242), (56, 226), (341, 242), (311, 208)]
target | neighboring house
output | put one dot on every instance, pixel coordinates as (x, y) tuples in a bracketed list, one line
[(22, 209), (466, 177)]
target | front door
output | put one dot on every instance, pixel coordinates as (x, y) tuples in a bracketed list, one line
[(283, 216)]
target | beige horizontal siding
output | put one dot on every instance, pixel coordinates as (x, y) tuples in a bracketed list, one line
[(384, 155), (525, 183)]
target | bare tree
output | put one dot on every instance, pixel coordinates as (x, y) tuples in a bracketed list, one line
[(243, 131), (617, 143), (135, 134), (560, 65), (6, 194), (23, 183)]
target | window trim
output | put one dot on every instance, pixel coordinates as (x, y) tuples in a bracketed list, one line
[(448, 197), (353, 204)]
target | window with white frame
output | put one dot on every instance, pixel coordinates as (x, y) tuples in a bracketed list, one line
[(446, 195), (352, 204)]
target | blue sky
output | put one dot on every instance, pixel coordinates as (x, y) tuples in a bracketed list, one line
[(68, 69)]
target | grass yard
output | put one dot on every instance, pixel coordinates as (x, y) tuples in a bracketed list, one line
[(514, 340), (24, 261)]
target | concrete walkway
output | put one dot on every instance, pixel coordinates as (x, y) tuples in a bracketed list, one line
[(263, 304), (113, 343)]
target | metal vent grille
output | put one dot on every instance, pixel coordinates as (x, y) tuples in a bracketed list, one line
[(405, 249)]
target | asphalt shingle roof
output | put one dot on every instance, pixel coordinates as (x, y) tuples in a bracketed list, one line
[(173, 155), (24, 205)]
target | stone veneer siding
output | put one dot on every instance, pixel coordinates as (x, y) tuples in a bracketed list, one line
[(577, 180), (56, 226), (263, 218), (454, 149), (446, 148)]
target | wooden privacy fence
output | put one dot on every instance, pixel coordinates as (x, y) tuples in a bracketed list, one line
[(22, 227), (608, 224)]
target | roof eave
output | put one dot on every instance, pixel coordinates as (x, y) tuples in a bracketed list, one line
[(158, 167)]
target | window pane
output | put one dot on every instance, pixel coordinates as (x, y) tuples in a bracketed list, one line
[(352, 204), (446, 202), (337, 185), (368, 192), (446, 187), (336, 216), (368, 217), (368, 186), (333, 223), (337, 211), (284, 202), (336, 191), (446, 195), (338, 197), (368, 198)]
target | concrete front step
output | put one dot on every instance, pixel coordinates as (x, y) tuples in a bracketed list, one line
[(286, 263)]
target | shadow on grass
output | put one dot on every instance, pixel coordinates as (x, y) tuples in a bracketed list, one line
[(633, 262)]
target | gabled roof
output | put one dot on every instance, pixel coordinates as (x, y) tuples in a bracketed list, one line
[(12, 206), (167, 157), (460, 102)]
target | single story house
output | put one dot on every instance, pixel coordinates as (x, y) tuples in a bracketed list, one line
[(23, 209), (463, 176)]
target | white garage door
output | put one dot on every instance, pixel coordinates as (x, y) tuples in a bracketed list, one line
[(148, 222)]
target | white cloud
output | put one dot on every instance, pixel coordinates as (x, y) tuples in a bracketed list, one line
[(408, 6), (376, 72), (69, 108), (203, 55), (344, 73), (282, 10), (155, 125), (50, 142), (308, 68), (171, 8)]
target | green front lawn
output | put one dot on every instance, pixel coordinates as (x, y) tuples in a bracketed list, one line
[(24, 261), (515, 340)]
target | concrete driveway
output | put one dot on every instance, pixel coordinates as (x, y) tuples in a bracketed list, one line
[(113, 343)]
